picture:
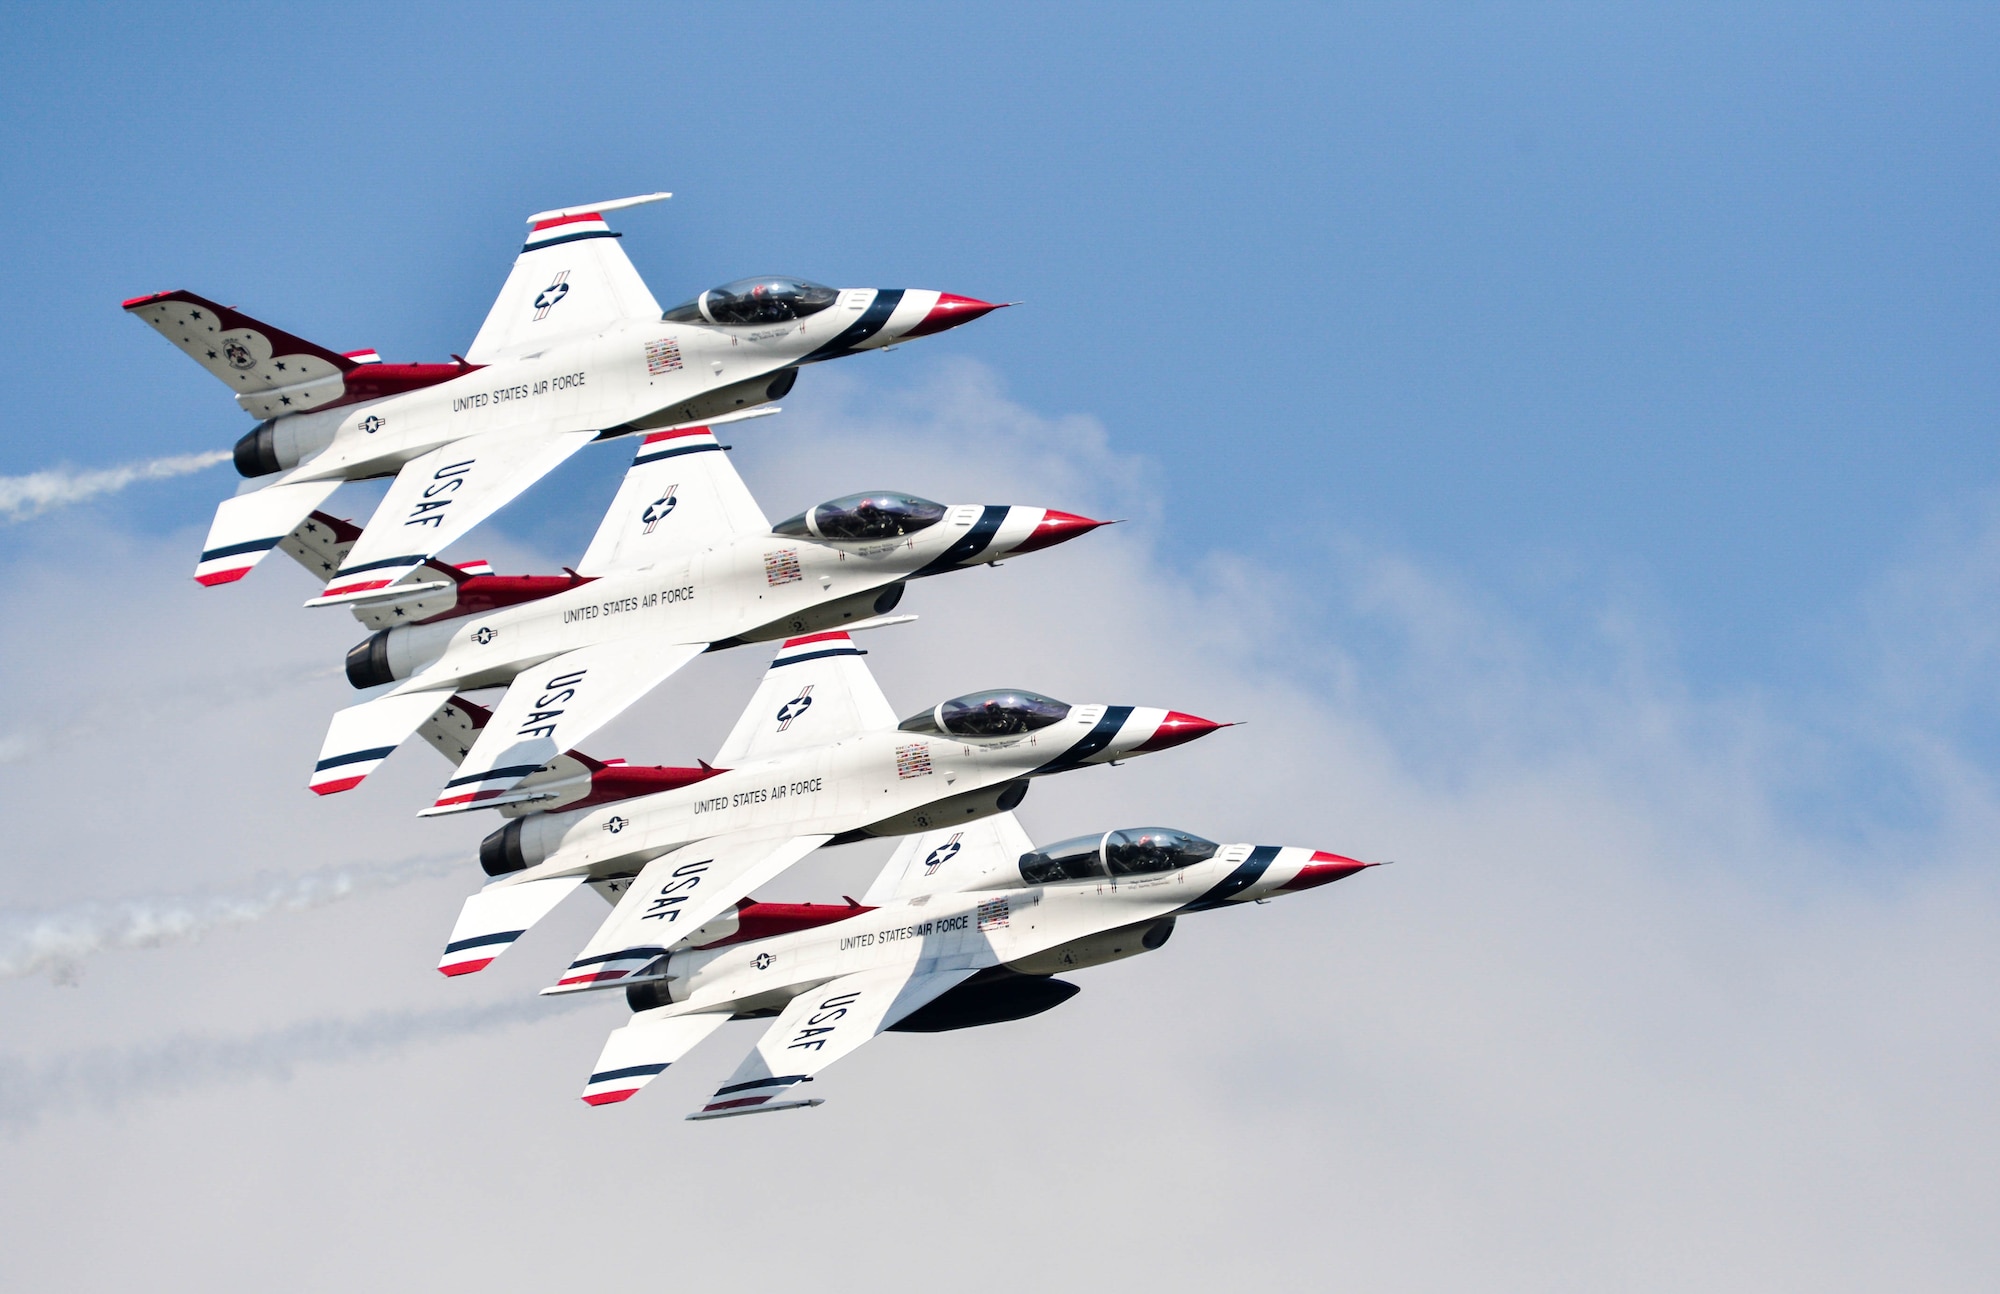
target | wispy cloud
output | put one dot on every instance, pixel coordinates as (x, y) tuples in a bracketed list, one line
[(56, 940), (104, 1077), (27, 496)]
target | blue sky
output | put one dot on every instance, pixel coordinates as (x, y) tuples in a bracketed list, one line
[(1694, 305), (1563, 435)]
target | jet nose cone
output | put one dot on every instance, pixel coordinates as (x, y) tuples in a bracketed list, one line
[(1056, 527), (1178, 729), (1327, 867), (1322, 869), (951, 311)]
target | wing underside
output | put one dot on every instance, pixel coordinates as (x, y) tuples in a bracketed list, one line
[(820, 1027), (439, 496), (675, 895), (550, 709)]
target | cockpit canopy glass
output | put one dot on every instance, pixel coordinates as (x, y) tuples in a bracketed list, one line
[(1066, 860), (882, 514), (1134, 851), (1002, 713), (755, 301), (1137, 851)]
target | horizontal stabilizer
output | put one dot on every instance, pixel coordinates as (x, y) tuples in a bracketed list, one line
[(455, 726), (252, 524), (362, 736), (320, 543), (494, 918), (641, 1051)]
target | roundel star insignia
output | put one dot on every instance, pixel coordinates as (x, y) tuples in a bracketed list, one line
[(942, 854), (656, 511), (371, 424), (762, 961), (795, 707), (616, 825), (551, 294), (483, 635)]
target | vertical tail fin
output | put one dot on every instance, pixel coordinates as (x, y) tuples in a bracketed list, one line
[(571, 278)]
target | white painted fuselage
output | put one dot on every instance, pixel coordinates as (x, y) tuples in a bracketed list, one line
[(745, 588), (879, 783)]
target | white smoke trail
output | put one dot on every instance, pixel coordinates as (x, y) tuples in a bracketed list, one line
[(56, 940), (101, 1078), (22, 497)]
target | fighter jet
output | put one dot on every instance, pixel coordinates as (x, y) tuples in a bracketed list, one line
[(817, 758), (575, 349), (684, 562), (966, 925)]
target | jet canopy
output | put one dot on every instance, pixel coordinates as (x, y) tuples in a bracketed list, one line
[(755, 301), (1004, 713), (881, 514), (1134, 851)]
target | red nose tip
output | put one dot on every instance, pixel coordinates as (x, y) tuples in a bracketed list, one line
[(1178, 729), (951, 311), (1054, 528), (1323, 869)]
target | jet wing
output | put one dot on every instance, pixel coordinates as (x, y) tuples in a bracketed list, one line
[(952, 860), (439, 496), (680, 495), (819, 1028), (675, 895), (272, 372), (570, 279), (641, 1051), (549, 709), (816, 692), (494, 918)]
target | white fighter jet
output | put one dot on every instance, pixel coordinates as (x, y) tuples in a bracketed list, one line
[(817, 758), (575, 349), (684, 562), (966, 925)]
